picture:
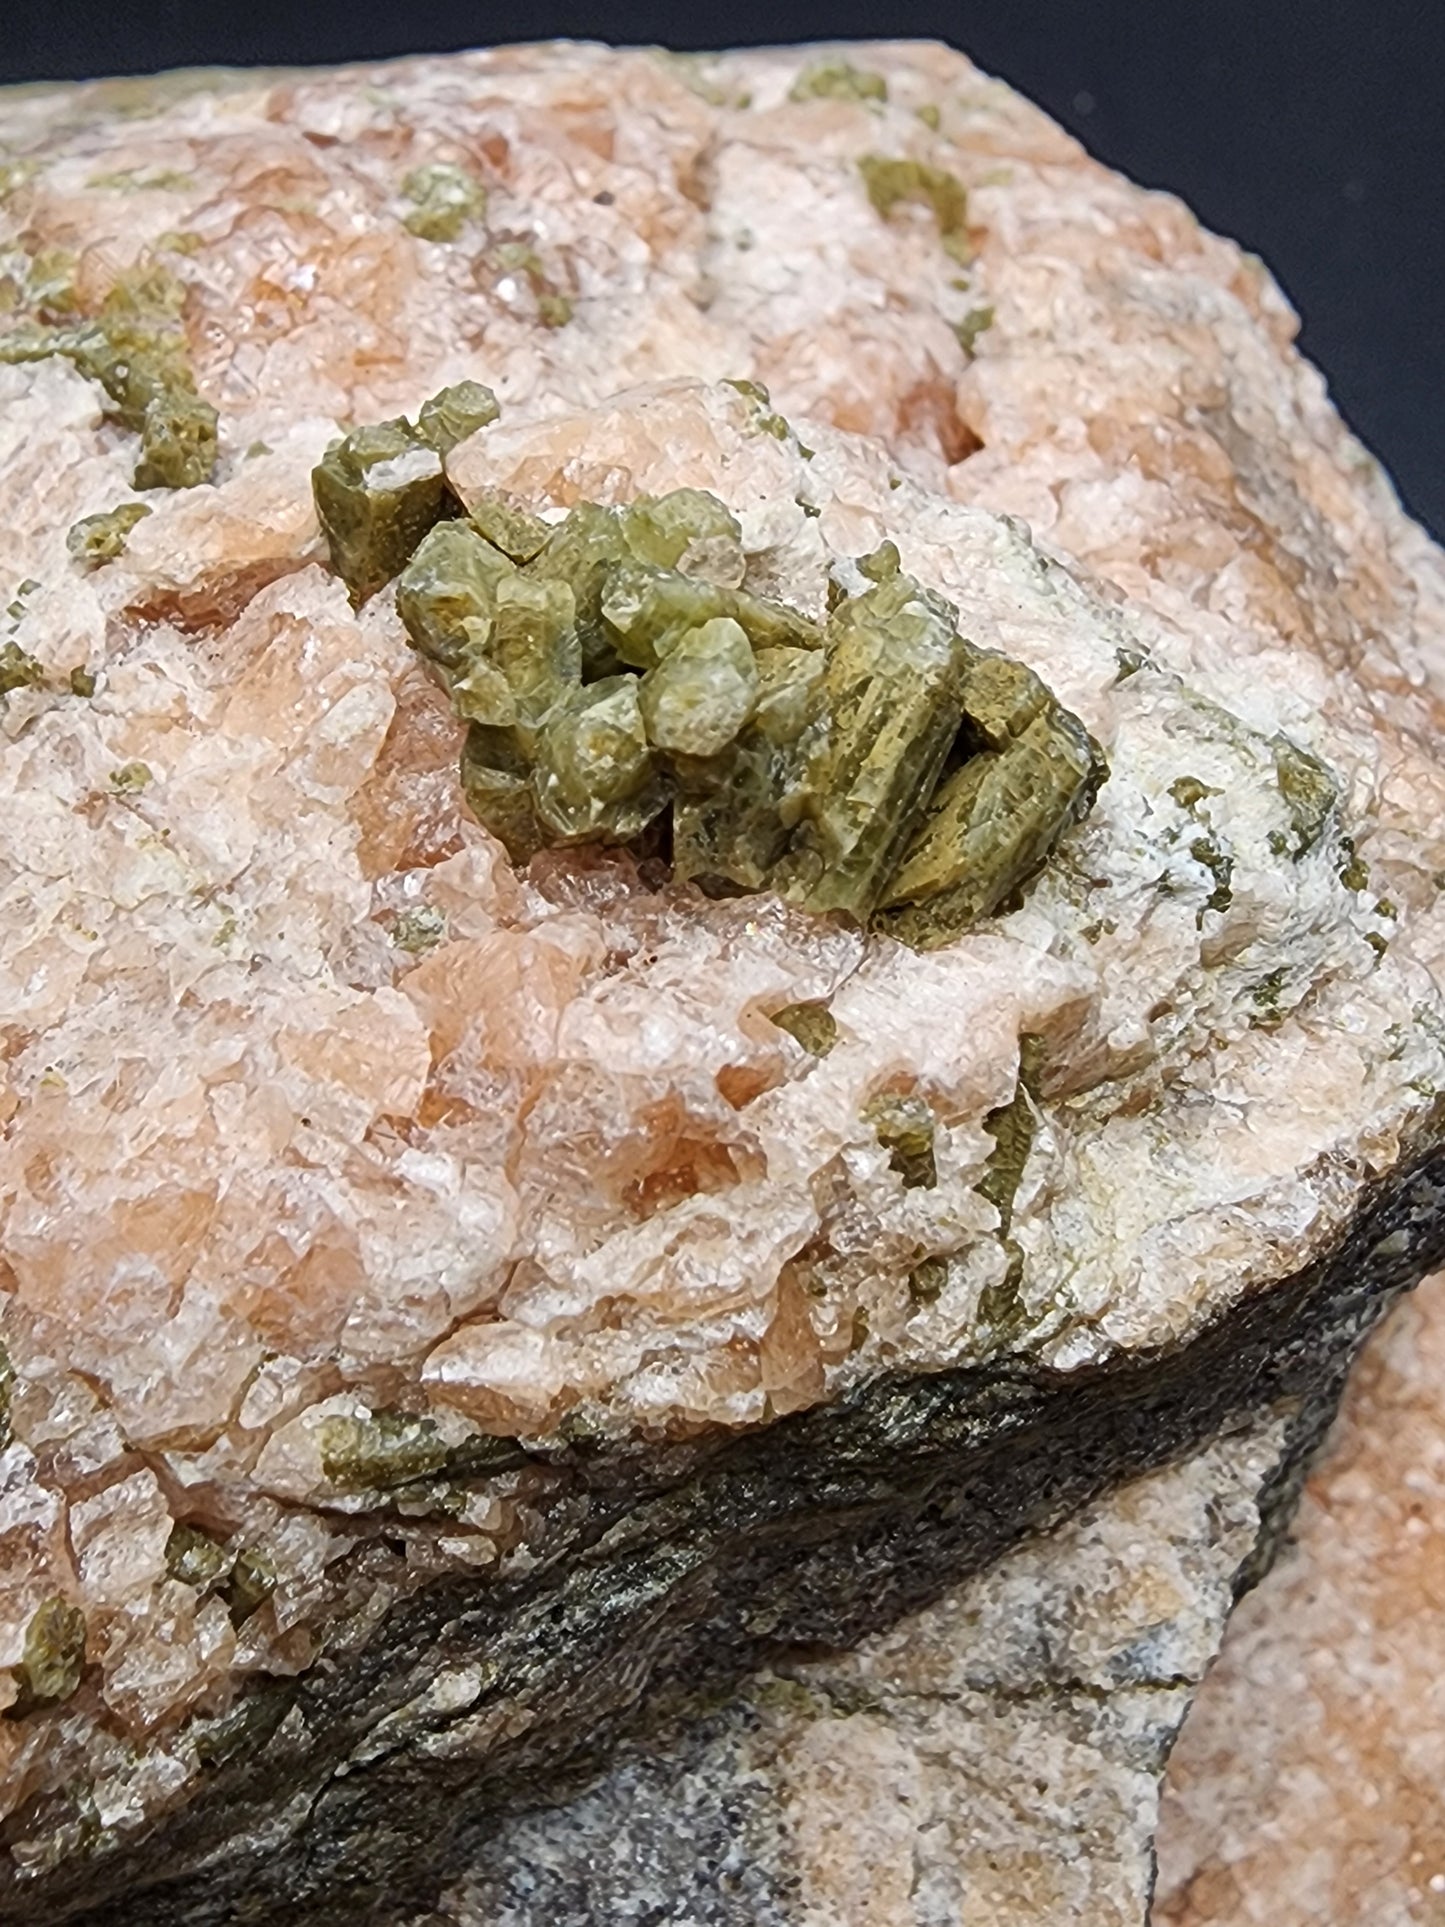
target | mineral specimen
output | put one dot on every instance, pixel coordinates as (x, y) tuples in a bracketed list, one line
[(493, 1219)]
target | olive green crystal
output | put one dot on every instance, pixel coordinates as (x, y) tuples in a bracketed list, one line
[(454, 413), (252, 1582), (18, 670), (382, 487), (838, 80), (135, 348), (444, 198), (52, 1658), (101, 538), (385, 1450), (891, 182), (810, 1024), (905, 1127), (1309, 791), (195, 1556), (621, 681), (996, 818)]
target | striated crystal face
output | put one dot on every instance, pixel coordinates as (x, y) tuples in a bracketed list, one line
[(622, 686)]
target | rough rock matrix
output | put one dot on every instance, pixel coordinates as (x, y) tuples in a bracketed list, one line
[(446, 1297), (1306, 1786), (995, 1758)]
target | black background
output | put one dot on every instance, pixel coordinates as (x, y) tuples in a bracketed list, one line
[(1312, 130)]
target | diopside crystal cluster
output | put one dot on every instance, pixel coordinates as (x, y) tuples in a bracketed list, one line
[(622, 685)]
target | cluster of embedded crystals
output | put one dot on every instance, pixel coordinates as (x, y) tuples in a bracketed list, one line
[(135, 348), (622, 685)]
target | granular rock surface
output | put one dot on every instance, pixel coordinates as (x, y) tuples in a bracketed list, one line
[(381, 1222), (1306, 1785), (995, 1758)]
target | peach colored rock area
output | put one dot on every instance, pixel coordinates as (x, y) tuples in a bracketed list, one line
[(270, 1159), (1307, 1784)]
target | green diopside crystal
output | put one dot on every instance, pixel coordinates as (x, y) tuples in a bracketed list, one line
[(810, 1024), (195, 1557), (519, 535), (699, 696), (52, 1658), (608, 675), (454, 413), (660, 529), (382, 487), (496, 773), (444, 198), (447, 595), (1310, 793), (1011, 1127), (997, 817), (101, 538), (838, 80), (648, 609), (890, 691), (252, 1582), (387, 1450), (891, 181), (178, 441), (595, 773), (378, 491), (581, 552), (905, 1127), (18, 670)]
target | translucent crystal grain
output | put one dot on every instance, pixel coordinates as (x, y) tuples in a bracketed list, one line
[(54, 1656), (838, 80), (135, 348), (453, 413), (378, 491), (904, 1126), (596, 775), (703, 691), (514, 530), (447, 594), (990, 826), (891, 181), (811, 1024)]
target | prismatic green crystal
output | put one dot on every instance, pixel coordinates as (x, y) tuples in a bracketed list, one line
[(996, 817), (622, 682), (890, 691), (378, 491), (454, 413), (1309, 791), (18, 670), (702, 692), (382, 487), (810, 1024), (904, 1126), (195, 1556)]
